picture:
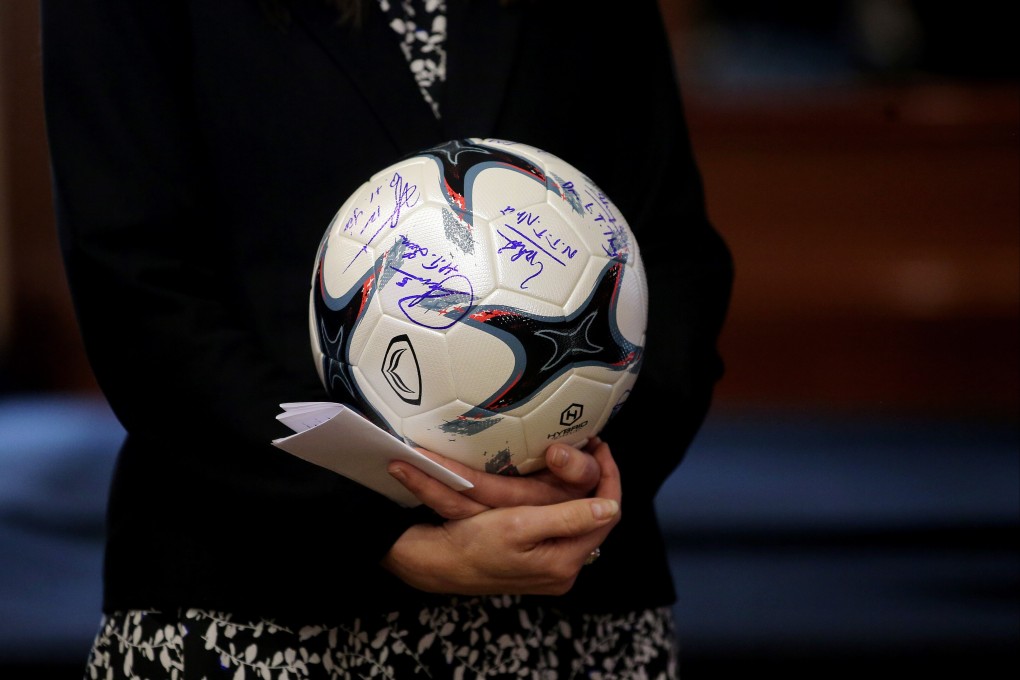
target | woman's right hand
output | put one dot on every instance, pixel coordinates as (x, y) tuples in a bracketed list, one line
[(537, 550)]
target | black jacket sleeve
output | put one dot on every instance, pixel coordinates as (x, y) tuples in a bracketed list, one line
[(161, 302)]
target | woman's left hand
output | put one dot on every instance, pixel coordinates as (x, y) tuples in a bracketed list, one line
[(526, 549)]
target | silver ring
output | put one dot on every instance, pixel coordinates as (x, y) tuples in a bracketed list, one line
[(592, 556)]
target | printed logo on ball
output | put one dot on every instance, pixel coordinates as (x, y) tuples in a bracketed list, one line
[(571, 414), (570, 419), (401, 370)]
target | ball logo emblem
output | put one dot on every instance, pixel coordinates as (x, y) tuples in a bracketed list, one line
[(401, 370), (571, 414)]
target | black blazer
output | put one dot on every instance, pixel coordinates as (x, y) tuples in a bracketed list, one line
[(199, 150)]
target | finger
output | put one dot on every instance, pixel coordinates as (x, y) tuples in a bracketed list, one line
[(610, 485), (573, 467), (442, 499), (455, 466), (488, 489), (610, 488), (545, 487), (564, 557), (532, 525), (501, 491)]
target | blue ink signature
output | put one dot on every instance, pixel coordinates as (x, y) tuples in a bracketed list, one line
[(405, 195), (616, 235), (521, 250), (452, 303)]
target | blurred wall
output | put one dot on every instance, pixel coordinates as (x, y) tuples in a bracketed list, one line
[(861, 158), (6, 280), (867, 184), (876, 238), (39, 344)]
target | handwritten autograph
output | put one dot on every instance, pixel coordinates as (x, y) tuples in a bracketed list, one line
[(405, 195), (439, 304)]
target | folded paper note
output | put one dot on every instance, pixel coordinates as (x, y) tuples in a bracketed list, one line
[(335, 437)]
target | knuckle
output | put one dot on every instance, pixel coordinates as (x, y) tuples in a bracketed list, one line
[(563, 585), (572, 520), (450, 510), (515, 527), (563, 573)]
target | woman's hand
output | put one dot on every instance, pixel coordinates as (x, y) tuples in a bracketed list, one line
[(532, 549), (569, 474)]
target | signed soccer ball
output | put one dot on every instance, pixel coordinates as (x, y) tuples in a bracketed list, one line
[(482, 299)]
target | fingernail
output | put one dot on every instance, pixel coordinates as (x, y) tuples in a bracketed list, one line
[(604, 508), (560, 456), (398, 473)]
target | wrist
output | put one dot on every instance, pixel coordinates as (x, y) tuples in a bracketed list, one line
[(417, 559)]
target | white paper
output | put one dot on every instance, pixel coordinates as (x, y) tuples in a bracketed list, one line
[(336, 438)]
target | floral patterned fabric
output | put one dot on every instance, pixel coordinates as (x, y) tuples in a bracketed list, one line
[(491, 637), (421, 25)]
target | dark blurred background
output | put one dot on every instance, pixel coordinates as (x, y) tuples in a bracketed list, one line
[(852, 505)]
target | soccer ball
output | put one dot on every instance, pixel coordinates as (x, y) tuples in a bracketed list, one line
[(482, 299)]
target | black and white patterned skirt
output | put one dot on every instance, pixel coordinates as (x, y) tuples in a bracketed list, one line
[(491, 637)]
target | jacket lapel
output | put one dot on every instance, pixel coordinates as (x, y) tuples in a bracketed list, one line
[(480, 51), (365, 53)]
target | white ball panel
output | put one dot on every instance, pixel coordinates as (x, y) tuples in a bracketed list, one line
[(621, 392), (632, 310), (499, 191), (427, 279), (382, 203), (538, 253), (344, 218), (527, 303), (408, 367), (344, 265), (378, 403), (571, 413), (361, 335), (618, 382), (586, 283), (481, 362), (488, 443), (531, 153)]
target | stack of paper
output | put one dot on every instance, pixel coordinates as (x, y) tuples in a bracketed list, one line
[(335, 437)]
